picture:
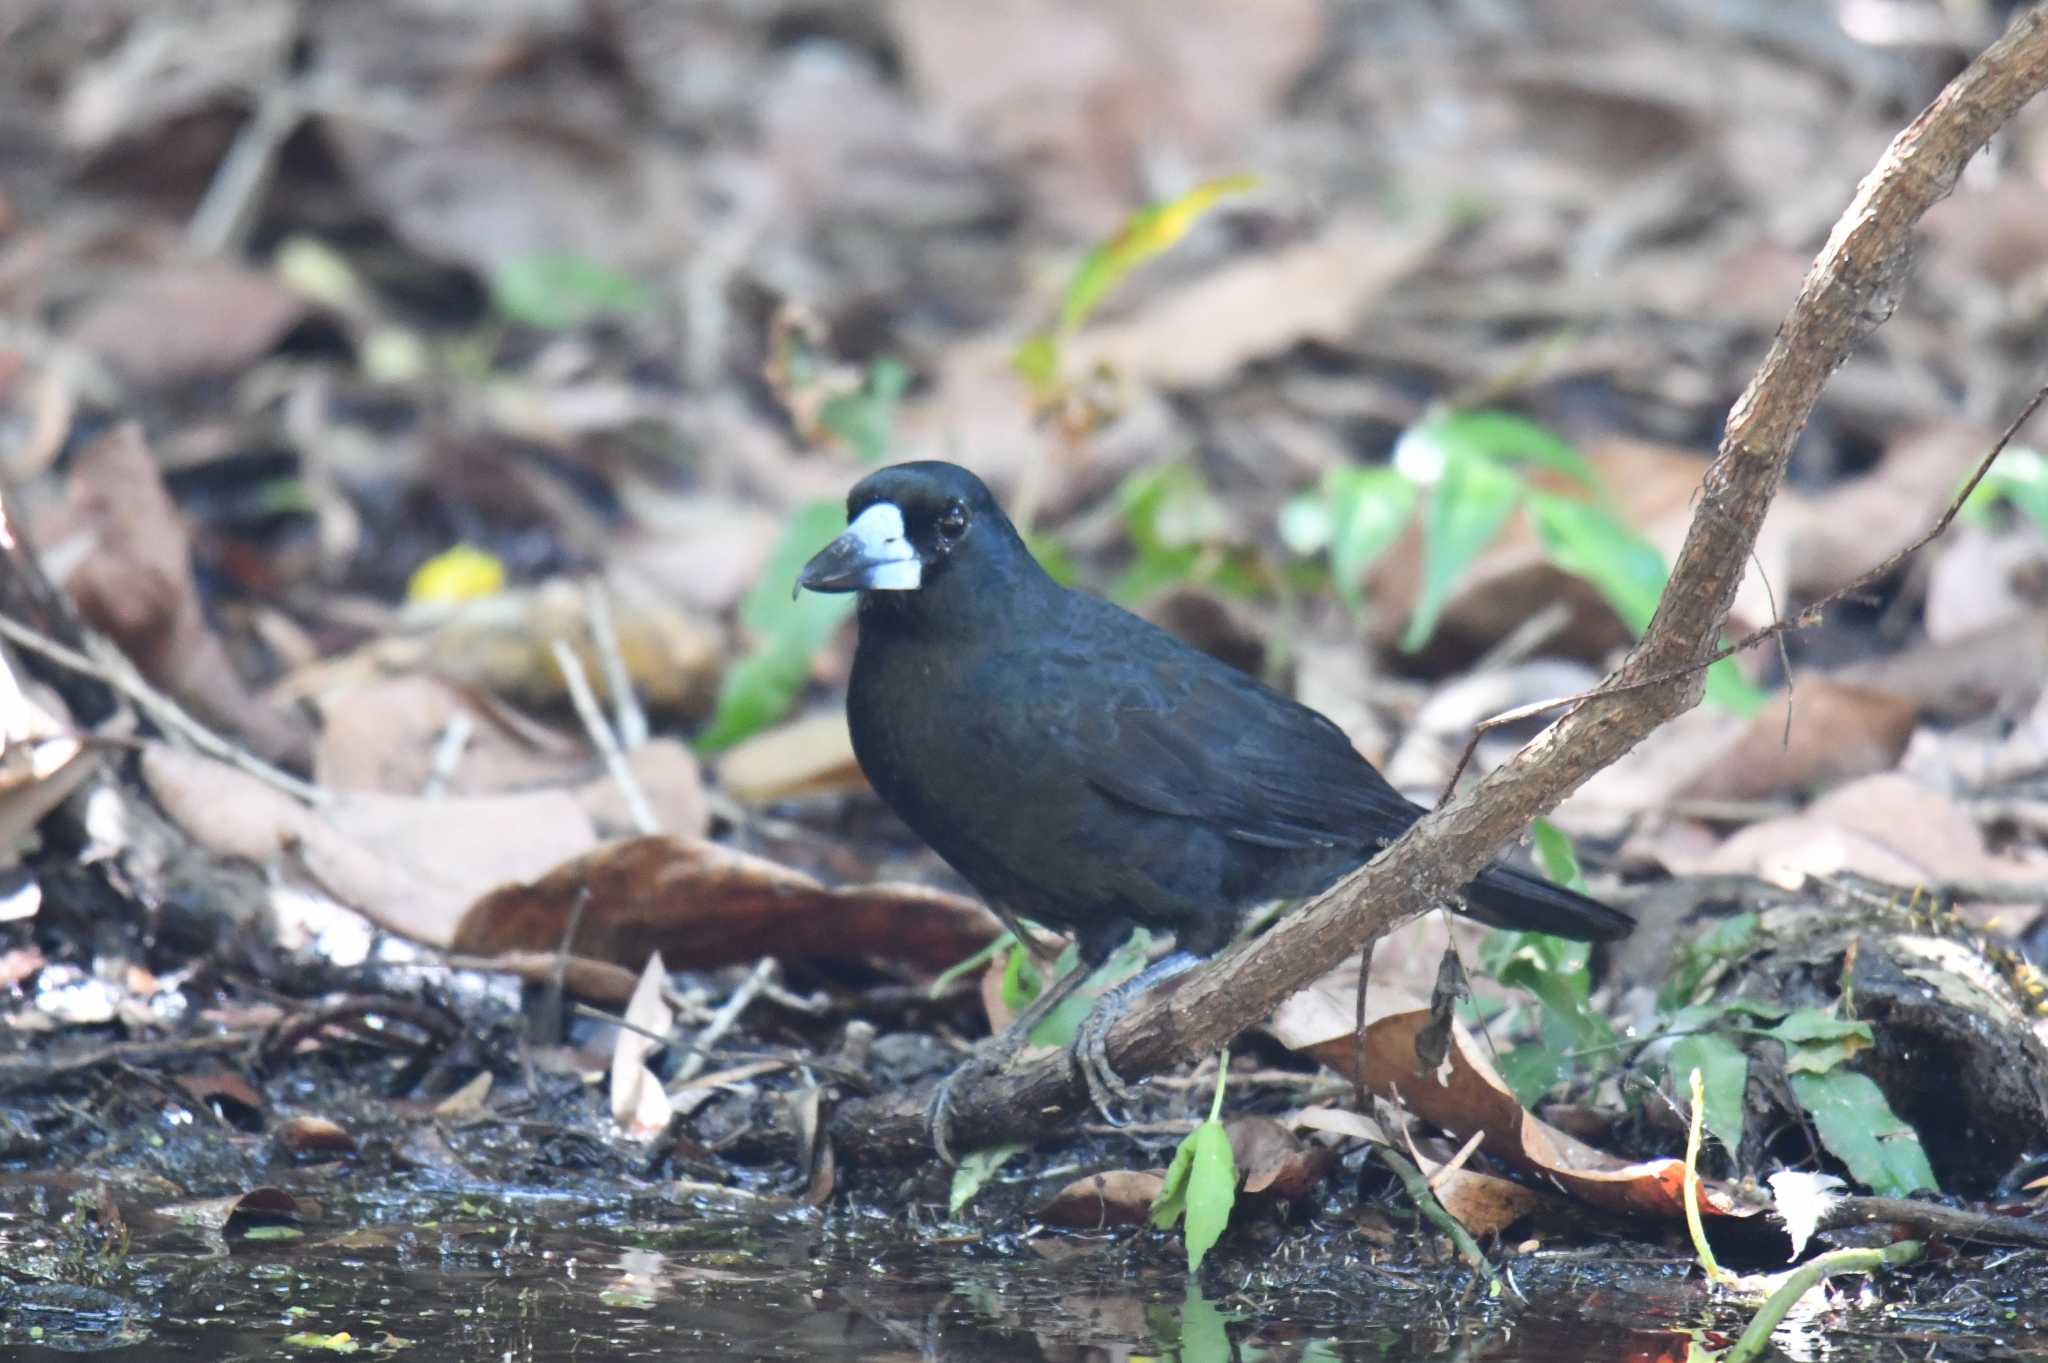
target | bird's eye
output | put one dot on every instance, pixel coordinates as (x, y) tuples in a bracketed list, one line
[(953, 522)]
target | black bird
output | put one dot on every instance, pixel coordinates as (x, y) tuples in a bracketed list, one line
[(1087, 770)]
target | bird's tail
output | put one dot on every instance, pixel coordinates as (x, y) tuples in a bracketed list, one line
[(1507, 898)]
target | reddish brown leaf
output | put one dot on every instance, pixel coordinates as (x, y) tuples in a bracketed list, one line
[(701, 905)]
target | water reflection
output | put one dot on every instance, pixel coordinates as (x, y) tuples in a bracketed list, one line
[(533, 1281)]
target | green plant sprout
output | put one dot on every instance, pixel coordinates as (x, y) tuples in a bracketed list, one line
[(1465, 473)]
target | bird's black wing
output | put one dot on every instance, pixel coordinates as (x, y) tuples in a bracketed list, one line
[(1172, 730)]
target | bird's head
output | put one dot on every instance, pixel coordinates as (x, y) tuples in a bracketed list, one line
[(908, 526)]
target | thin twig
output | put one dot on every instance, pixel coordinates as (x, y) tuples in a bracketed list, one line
[(627, 713), (448, 751), (113, 669), (600, 730), (722, 1021), (1811, 615)]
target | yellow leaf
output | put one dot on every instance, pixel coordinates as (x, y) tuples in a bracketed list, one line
[(462, 573)]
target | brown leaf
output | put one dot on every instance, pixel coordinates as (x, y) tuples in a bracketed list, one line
[(1853, 525), (185, 320), (411, 865), (382, 735), (808, 756), (1838, 731), (1259, 306), (702, 905), (1074, 92), (1114, 1197), (1888, 827), (669, 777), (306, 1135), (1465, 1095), (1272, 1160), (136, 584)]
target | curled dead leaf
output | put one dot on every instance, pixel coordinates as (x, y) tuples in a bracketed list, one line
[(1466, 1095)]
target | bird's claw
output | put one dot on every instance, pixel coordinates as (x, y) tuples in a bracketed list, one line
[(1106, 1088), (938, 1117)]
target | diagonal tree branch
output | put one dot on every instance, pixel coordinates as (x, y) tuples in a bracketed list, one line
[(1850, 289)]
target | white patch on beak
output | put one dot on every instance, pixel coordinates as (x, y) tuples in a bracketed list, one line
[(893, 561)]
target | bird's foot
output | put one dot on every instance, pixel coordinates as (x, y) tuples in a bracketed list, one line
[(1091, 1057), (938, 1115), (1090, 1054), (992, 1055)]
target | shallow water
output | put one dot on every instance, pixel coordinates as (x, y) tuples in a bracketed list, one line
[(497, 1276)]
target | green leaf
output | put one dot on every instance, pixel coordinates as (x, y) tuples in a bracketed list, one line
[(1557, 857), (786, 633), (1022, 985), (1367, 509), (1724, 1075), (1211, 1191), (1730, 938), (1148, 232), (1815, 1024), (1858, 1125), (2019, 479), (1503, 437), (866, 421), (1201, 1183), (1533, 1069), (1037, 362), (554, 291), (1172, 1199), (1584, 540), (1465, 510), (1817, 1041), (976, 1168)]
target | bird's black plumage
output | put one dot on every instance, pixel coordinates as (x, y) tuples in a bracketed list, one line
[(1084, 768)]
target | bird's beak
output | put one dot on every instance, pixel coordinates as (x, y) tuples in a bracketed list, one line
[(872, 556)]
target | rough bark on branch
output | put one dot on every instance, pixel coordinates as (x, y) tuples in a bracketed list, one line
[(1849, 290)]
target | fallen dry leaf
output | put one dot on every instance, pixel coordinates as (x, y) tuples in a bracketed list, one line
[(504, 644), (305, 1136), (41, 763), (669, 778), (1837, 732), (382, 734), (1271, 1159), (413, 866), (1260, 305), (1465, 1095), (637, 1101), (1855, 524), (1114, 1197), (812, 755), (1888, 828), (136, 585), (702, 905), (1978, 580), (1073, 93), (186, 319)]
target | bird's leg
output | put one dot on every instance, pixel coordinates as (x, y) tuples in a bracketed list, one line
[(996, 1053), (1044, 954), (1091, 1054)]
